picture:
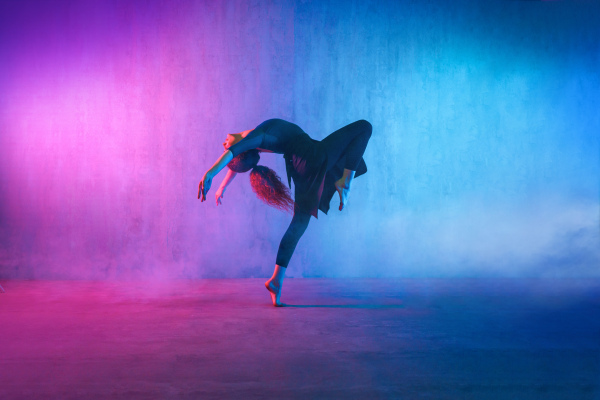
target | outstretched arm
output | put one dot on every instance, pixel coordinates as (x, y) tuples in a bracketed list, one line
[(226, 181), (206, 181)]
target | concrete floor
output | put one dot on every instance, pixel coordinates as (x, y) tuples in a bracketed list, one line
[(339, 339)]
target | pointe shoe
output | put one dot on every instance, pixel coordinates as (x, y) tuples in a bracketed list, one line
[(275, 292)]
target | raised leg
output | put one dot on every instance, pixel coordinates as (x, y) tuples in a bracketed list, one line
[(342, 186), (349, 142)]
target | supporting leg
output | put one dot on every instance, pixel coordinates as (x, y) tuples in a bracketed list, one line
[(286, 250), (291, 237), (274, 285)]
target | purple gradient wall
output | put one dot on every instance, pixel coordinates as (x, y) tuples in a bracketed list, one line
[(484, 159)]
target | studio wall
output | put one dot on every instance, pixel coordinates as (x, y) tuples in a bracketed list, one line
[(484, 159)]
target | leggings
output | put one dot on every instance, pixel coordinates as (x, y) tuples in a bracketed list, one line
[(350, 142)]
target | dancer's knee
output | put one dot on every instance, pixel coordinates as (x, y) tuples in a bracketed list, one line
[(366, 127)]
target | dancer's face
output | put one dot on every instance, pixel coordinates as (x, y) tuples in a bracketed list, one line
[(231, 139)]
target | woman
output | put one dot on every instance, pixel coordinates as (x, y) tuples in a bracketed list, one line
[(318, 169)]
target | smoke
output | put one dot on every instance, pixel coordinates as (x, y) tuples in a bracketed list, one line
[(542, 237)]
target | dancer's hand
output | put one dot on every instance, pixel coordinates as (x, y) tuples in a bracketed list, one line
[(219, 195), (204, 186)]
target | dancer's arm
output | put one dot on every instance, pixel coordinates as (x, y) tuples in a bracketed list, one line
[(226, 181), (206, 181)]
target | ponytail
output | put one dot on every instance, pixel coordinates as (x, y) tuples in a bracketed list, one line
[(264, 181), (269, 188)]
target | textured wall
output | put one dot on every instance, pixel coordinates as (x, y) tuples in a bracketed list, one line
[(485, 158)]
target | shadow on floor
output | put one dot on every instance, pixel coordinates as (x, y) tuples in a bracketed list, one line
[(373, 306)]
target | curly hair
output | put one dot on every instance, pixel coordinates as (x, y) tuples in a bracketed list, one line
[(245, 161), (264, 181)]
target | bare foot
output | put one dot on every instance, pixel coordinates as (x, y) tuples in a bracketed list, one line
[(343, 190), (275, 293)]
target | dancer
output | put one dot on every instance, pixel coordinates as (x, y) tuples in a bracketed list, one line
[(318, 169)]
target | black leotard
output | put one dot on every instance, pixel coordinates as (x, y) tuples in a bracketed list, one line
[(275, 135), (313, 165)]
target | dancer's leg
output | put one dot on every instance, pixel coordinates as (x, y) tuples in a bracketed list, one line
[(291, 237), (287, 246), (350, 142), (274, 284), (342, 186)]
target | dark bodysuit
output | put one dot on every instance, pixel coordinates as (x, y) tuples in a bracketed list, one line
[(313, 165)]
